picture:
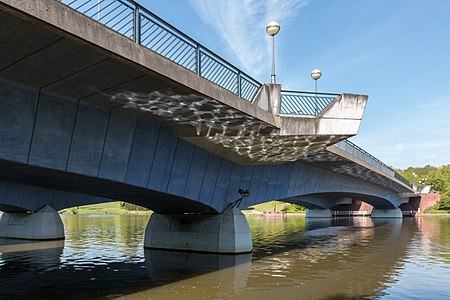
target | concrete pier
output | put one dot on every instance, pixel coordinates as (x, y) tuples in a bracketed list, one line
[(227, 233), (387, 213), (318, 213), (45, 224)]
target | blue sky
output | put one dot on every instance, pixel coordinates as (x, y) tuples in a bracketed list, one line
[(396, 51)]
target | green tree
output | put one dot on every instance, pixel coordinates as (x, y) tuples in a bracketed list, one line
[(437, 177)]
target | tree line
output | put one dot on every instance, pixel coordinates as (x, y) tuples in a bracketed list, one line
[(437, 177)]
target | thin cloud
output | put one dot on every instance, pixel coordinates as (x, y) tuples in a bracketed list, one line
[(241, 24)]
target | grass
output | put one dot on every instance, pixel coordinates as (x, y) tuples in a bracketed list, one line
[(108, 208), (276, 206), (437, 211)]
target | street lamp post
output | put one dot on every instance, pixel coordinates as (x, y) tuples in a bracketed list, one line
[(272, 29), (99, 8), (316, 74)]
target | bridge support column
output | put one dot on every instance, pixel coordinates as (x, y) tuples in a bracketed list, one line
[(226, 233), (44, 224), (318, 213), (387, 213)]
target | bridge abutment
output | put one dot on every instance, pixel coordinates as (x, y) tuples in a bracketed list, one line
[(387, 213), (44, 224), (226, 233)]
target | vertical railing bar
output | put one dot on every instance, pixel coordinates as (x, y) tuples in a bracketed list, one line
[(198, 62), (238, 83), (137, 26)]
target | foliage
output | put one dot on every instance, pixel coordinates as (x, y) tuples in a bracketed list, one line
[(437, 177), (278, 206), (111, 208), (294, 208)]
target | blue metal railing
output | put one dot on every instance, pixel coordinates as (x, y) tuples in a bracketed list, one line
[(305, 103), (145, 28), (362, 154)]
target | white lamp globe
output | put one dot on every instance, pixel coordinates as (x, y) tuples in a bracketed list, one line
[(273, 28), (316, 74)]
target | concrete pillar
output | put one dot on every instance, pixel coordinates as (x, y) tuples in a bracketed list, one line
[(387, 213), (269, 98), (45, 224), (226, 233), (318, 213)]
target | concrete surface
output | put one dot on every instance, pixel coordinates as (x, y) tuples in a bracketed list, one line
[(318, 213), (387, 213), (45, 224), (227, 233)]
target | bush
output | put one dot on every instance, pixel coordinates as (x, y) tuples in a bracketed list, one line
[(294, 208)]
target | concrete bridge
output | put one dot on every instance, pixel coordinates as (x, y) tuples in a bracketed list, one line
[(112, 103)]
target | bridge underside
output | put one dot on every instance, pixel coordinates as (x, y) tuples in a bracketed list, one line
[(329, 200)]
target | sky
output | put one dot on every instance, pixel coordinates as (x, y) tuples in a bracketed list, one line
[(397, 52)]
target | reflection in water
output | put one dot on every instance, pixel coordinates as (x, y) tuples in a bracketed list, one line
[(103, 258)]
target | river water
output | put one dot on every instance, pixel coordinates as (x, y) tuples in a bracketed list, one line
[(103, 258)]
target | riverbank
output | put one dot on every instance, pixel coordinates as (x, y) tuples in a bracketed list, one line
[(122, 208), (110, 208), (433, 215)]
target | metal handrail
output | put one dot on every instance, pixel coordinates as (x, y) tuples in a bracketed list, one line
[(357, 151), (300, 103), (137, 23)]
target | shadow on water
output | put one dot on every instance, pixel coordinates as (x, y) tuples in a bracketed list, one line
[(96, 263), (36, 271)]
